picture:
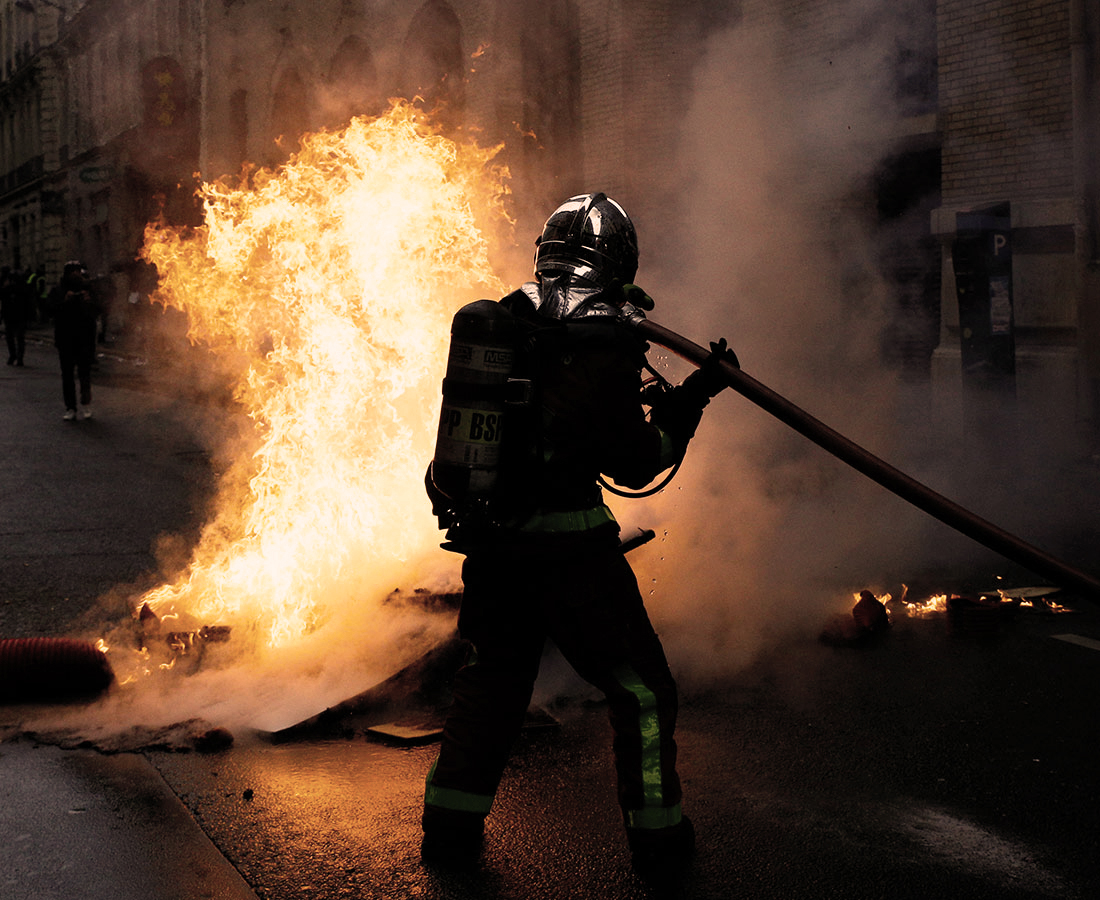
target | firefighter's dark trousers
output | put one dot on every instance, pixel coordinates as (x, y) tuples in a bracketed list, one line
[(589, 604)]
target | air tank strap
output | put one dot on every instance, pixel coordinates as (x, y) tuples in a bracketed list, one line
[(514, 392)]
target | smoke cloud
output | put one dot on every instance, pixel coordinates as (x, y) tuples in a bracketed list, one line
[(763, 532), (764, 535)]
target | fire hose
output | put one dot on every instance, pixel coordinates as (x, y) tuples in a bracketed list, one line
[(921, 496)]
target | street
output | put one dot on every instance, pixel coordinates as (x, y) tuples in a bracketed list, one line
[(948, 758)]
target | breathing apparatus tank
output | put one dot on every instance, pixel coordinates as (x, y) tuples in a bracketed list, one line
[(476, 394)]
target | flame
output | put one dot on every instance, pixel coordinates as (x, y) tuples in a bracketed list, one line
[(326, 289), (525, 132), (937, 603), (884, 599), (1037, 601), (1032, 599)]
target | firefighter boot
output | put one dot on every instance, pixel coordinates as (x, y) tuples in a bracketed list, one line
[(451, 839), (662, 853)]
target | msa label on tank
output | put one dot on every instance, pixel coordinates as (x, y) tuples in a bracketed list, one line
[(481, 358), (470, 436)]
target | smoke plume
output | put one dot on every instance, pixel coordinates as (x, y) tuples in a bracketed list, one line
[(763, 532)]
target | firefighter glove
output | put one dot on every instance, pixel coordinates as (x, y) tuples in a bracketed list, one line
[(637, 297), (678, 412), (709, 379), (619, 293)]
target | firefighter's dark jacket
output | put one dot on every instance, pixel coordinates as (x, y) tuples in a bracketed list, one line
[(587, 419)]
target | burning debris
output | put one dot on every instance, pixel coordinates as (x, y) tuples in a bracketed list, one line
[(868, 621), (187, 641), (166, 647), (990, 604), (178, 641), (969, 612), (984, 613)]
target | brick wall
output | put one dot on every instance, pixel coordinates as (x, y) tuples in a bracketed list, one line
[(1005, 99), (602, 32), (637, 61)]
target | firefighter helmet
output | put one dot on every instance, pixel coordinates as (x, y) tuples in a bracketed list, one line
[(587, 244), (589, 235)]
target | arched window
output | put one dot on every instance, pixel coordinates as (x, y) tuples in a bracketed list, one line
[(352, 84), (290, 110), (433, 63), (238, 127)]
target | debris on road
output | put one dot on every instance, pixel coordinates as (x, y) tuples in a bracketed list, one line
[(868, 621)]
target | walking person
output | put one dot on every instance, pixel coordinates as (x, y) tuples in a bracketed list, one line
[(75, 311), (15, 313), (37, 294)]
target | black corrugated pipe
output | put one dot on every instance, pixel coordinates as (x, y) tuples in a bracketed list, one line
[(52, 669), (947, 511)]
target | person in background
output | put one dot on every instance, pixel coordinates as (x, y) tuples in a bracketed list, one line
[(37, 294), (103, 288), (13, 309), (75, 312)]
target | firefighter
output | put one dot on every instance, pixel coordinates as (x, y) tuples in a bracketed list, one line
[(543, 560)]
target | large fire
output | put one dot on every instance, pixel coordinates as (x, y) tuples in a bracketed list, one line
[(327, 288)]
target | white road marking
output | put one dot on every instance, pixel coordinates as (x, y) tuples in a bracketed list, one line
[(1078, 640)]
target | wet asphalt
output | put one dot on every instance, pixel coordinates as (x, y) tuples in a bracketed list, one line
[(953, 757)]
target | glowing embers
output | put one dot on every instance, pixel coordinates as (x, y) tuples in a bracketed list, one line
[(872, 615), (165, 644), (979, 607)]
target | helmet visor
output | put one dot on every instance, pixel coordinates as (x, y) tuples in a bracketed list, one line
[(570, 295)]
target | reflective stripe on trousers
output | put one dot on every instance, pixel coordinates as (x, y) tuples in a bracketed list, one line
[(654, 813), (589, 604), (459, 801)]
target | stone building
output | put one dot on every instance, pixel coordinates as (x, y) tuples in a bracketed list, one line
[(111, 136), (108, 108), (1019, 119)]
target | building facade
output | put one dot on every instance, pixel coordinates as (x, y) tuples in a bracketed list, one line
[(110, 109), (1019, 114), (98, 115)]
